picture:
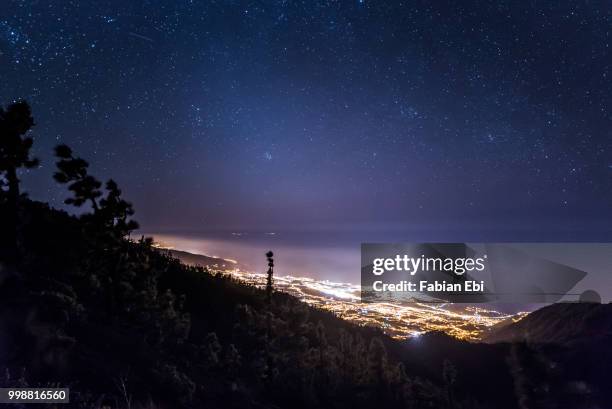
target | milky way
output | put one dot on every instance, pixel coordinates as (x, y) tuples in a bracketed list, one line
[(474, 120)]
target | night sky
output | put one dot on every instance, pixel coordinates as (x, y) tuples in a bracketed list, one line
[(478, 117)]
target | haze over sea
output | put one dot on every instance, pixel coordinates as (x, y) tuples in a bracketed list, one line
[(328, 256), (323, 270), (320, 253), (334, 254)]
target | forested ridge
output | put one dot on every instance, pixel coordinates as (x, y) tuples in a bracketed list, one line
[(100, 314)]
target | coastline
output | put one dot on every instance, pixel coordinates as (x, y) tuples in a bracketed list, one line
[(405, 321)]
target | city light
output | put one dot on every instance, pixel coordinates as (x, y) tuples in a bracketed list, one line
[(400, 321)]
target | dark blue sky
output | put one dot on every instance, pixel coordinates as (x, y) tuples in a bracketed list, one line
[(476, 117)]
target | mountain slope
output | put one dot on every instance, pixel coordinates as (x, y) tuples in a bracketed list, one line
[(80, 307), (126, 325), (560, 324)]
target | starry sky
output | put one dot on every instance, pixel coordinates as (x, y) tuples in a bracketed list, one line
[(488, 119)]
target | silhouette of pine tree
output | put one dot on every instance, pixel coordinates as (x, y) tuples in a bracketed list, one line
[(269, 373), (231, 364), (269, 280), (115, 211), (345, 347), (212, 350), (519, 354), (322, 345), (449, 375), (377, 370), (359, 361), (73, 171), (15, 122), (405, 387)]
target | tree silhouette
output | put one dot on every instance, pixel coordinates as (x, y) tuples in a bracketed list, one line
[(111, 212), (449, 375), (115, 211), (73, 171), (212, 350), (269, 280), (15, 122), (377, 364), (269, 372)]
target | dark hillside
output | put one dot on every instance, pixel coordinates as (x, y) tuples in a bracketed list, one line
[(119, 320), (562, 323), (126, 325), (562, 353)]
